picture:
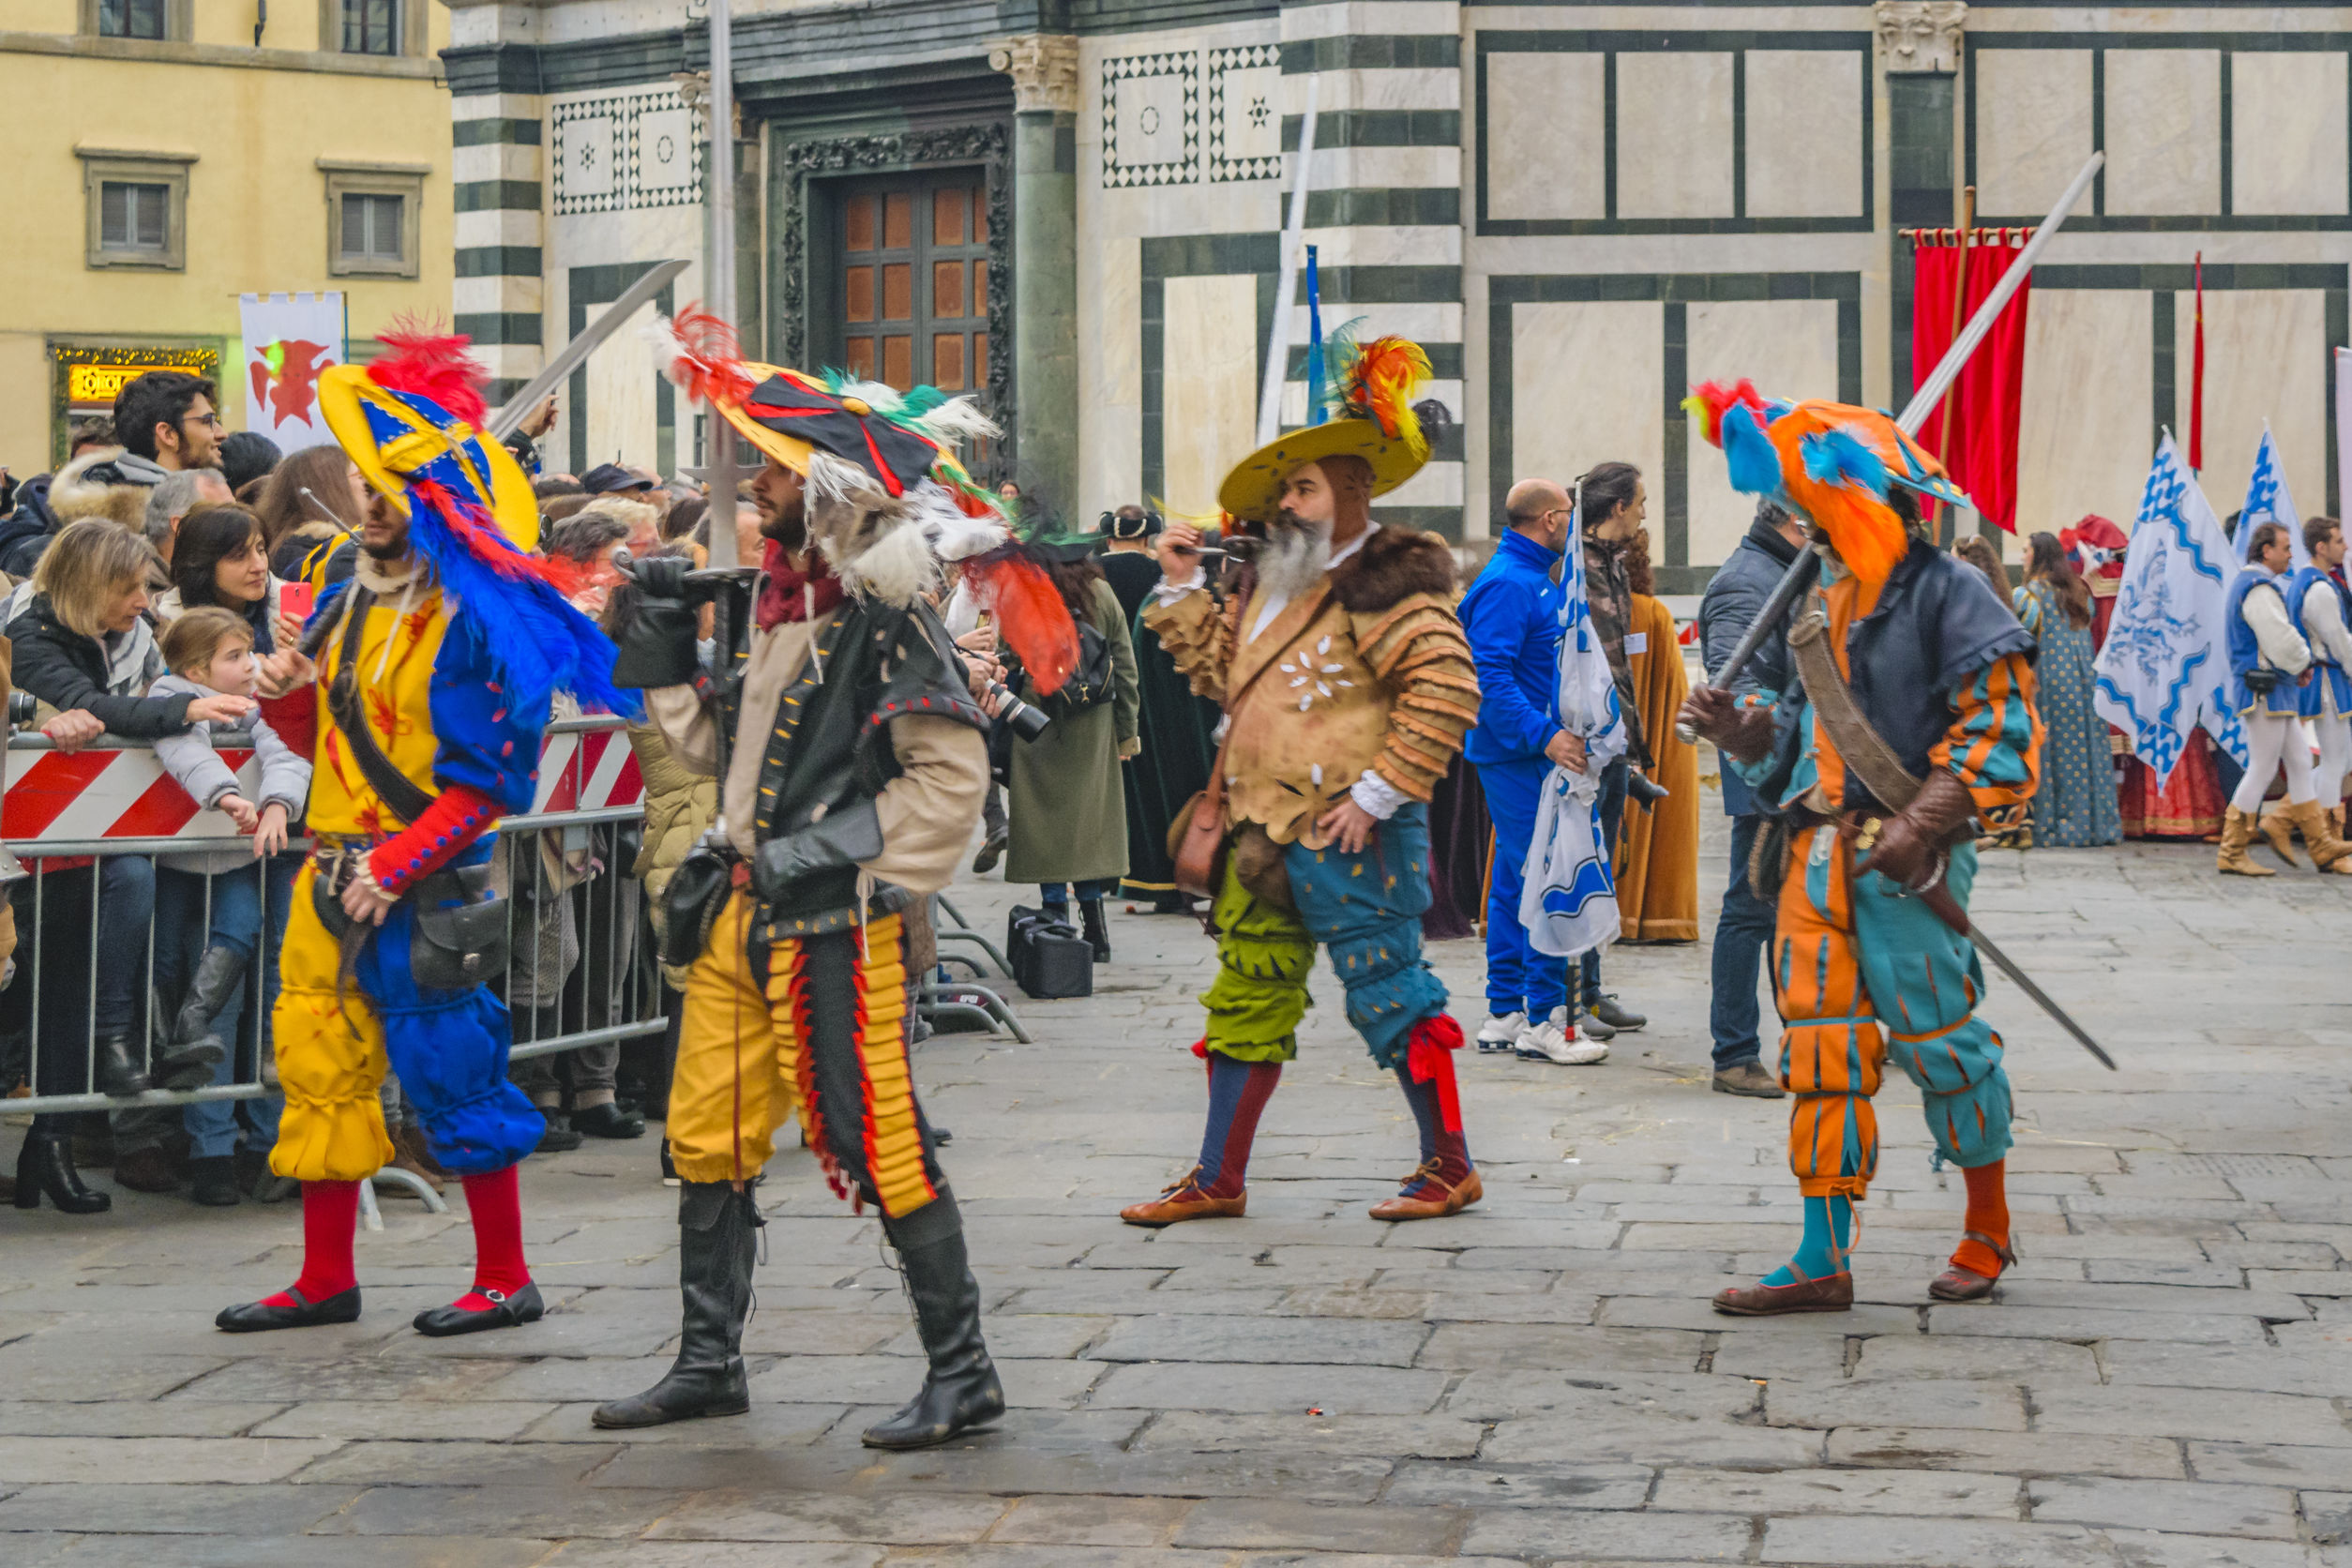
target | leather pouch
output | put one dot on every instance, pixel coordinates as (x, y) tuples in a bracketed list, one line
[(690, 903)]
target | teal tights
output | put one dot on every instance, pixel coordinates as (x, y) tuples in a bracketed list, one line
[(1829, 1231)]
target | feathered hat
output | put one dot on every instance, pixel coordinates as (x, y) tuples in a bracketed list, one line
[(1372, 419), (887, 497), (1830, 462), (412, 421)]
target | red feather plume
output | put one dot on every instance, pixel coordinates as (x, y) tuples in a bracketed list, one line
[(706, 359), (1710, 400), (1031, 617), (426, 362)]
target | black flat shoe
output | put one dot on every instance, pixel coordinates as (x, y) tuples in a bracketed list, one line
[(255, 1317), (212, 1181), (608, 1120), (505, 1312), (560, 1137)]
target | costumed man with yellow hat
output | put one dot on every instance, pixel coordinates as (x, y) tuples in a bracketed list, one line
[(1909, 712), (1348, 687), (849, 791), (435, 664)]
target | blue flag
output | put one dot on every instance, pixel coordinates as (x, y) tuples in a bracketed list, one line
[(1315, 376), (2268, 500)]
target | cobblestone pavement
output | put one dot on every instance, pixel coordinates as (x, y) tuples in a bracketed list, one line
[(2163, 1383)]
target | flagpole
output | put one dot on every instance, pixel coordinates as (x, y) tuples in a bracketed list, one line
[(1287, 281), (718, 277)]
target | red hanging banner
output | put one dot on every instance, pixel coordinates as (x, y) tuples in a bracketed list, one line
[(2197, 379), (1980, 453)]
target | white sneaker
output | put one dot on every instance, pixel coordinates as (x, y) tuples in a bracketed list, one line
[(1554, 1040), (1500, 1032)]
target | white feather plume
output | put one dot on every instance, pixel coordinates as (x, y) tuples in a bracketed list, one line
[(670, 349)]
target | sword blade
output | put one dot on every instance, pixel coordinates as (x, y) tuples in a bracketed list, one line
[(502, 423), (2042, 999)]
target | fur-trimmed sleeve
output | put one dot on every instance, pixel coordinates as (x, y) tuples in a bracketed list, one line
[(1416, 649), (1199, 638)]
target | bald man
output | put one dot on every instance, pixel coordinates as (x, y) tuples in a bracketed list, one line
[(1510, 616)]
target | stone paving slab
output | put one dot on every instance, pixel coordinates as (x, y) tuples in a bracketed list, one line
[(2166, 1381)]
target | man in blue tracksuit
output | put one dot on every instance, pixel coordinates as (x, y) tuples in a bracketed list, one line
[(1735, 596), (1510, 616)]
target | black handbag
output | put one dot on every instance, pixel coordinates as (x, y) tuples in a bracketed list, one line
[(462, 936), (690, 903), (1049, 959)]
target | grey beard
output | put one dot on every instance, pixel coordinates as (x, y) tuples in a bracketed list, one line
[(1296, 555)]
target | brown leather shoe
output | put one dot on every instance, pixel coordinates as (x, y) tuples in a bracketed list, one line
[(148, 1170), (1959, 1284), (1182, 1201), (1456, 1198), (1831, 1294)]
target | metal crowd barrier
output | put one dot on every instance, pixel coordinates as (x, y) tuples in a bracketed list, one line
[(581, 970)]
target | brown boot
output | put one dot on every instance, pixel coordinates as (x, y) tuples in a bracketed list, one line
[(2277, 825), (1449, 1200), (2232, 858), (147, 1169), (2319, 839), (1183, 1201)]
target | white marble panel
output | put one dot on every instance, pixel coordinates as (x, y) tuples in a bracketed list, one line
[(1110, 375), (1788, 347), (665, 141), (1423, 324), (1674, 135), (1398, 244), (1153, 121), (1370, 16), (2287, 145), (2084, 427), (1252, 112), (1547, 136), (1587, 384), (2163, 130), (1208, 385), (1804, 133), (2265, 358), (1367, 168), (1405, 87), (2032, 126), (499, 226), (621, 383), (494, 161), (1438, 484)]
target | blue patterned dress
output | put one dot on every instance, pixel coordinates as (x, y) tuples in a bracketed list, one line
[(2076, 805)]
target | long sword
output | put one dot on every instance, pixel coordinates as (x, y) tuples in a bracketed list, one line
[(504, 422), (1939, 901)]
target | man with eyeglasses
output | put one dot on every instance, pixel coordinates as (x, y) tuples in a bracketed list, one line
[(1510, 616), (166, 418)]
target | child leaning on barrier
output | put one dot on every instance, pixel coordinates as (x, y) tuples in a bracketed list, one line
[(210, 651)]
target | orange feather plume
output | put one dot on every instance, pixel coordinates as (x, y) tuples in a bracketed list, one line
[(1382, 382), (1031, 618)]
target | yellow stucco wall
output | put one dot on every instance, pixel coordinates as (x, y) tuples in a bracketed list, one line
[(257, 211)]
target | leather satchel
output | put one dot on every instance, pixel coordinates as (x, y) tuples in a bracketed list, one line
[(1195, 839), (462, 936)]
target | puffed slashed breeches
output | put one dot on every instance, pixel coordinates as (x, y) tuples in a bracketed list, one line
[(1864, 974), (1366, 908), (449, 1048), (814, 1026)]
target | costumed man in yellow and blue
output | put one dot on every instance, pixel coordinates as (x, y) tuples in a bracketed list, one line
[(849, 745), (435, 664), (1346, 686), (1910, 711)]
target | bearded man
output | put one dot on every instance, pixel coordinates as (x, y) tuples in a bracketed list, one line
[(1348, 685)]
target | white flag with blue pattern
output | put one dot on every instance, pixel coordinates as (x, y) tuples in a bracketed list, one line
[(2268, 500), (1569, 904), (2164, 667)]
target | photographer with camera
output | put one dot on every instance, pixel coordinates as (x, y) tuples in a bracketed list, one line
[(2268, 663)]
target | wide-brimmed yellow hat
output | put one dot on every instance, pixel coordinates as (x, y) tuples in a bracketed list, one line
[(1377, 423), (394, 421)]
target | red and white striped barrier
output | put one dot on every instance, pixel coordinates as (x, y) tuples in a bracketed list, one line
[(84, 796)]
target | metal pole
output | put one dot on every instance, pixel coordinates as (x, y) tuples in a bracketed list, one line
[(1287, 281), (718, 277)]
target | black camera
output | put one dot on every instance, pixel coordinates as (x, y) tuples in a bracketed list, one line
[(1644, 790), (23, 705), (1028, 722)]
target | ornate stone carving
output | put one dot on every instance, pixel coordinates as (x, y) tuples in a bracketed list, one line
[(1044, 69), (1920, 37), (984, 145)]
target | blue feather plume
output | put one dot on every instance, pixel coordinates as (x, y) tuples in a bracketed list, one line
[(1748, 452), (1833, 456)]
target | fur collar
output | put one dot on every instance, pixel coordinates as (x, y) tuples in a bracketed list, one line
[(1393, 564), (76, 493)]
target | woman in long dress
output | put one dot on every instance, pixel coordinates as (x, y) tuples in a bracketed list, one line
[(1657, 847), (2075, 805)]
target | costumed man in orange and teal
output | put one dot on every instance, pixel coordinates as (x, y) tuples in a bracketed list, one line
[(1348, 687), (435, 664), (850, 791), (1910, 711)]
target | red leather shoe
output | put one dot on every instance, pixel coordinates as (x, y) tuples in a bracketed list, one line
[(1829, 1293)]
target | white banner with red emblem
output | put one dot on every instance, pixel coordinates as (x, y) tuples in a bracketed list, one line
[(288, 339)]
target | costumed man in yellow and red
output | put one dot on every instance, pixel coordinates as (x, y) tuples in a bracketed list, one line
[(1348, 687), (1910, 711), (854, 770), (435, 664)]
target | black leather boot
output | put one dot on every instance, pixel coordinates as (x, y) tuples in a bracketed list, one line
[(717, 1235), (1096, 928), (45, 1166), (116, 1066), (960, 1391), (219, 973)]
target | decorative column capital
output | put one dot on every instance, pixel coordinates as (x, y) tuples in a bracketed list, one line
[(1044, 69), (1920, 37)]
